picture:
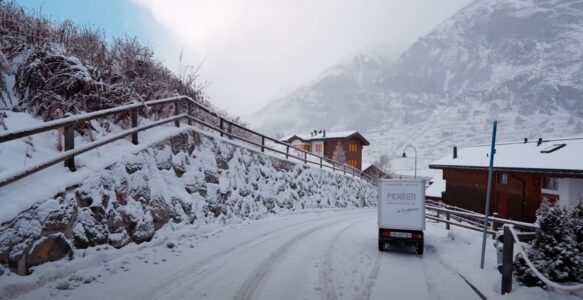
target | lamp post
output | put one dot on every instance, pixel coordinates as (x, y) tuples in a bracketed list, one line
[(405, 156)]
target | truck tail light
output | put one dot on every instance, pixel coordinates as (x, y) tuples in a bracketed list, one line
[(385, 233), (417, 236)]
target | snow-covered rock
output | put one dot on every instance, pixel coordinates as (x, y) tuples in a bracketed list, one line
[(187, 179)]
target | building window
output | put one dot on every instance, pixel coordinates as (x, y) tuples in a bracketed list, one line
[(319, 148), (503, 178), (352, 148), (551, 183), (305, 147), (352, 162)]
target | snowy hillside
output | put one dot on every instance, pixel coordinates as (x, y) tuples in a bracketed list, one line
[(519, 62)]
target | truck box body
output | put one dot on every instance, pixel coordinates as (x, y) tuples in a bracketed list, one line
[(401, 212)]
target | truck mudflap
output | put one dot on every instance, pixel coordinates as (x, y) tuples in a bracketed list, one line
[(397, 236)]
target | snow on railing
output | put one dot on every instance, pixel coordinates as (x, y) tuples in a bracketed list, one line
[(225, 128), (545, 280), (473, 218)]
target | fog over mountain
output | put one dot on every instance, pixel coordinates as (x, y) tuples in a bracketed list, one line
[(519, 62)]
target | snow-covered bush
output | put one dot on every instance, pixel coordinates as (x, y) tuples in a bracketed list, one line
[(50, 84), (557, 251), (66, 68)]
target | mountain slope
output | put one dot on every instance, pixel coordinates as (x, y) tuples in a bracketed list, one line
[(519, 62)]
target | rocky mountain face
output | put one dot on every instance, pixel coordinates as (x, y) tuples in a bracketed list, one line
[(516, 61)]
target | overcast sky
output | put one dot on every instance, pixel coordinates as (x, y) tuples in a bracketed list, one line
[(257, 50)]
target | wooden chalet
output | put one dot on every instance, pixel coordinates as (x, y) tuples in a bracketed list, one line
[(375, 172), (524, 173), (328, 144)]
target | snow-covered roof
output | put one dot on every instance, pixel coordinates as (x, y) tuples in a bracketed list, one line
[(436, 188), (366, 165), (551, 156), (308, 137)]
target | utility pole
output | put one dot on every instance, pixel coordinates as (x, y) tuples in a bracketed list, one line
[(488, 193)]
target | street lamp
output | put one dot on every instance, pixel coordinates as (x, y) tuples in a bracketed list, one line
[(405, 156)]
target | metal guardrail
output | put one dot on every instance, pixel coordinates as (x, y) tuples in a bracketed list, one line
[(225, 128)]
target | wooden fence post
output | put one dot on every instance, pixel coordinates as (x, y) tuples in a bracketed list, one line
[(134, 116), (69, 134), (221, 125), (189, 112), (321, 166), (507, 257), (495, 228), (262, 144), (176, 113), (229, 129), (287, 152), (447, 225), (495, 225)]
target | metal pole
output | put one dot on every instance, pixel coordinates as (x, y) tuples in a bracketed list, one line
[(488, 192), (415, 174), (404, 155)]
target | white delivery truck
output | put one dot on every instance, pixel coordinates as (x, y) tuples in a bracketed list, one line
[(401, 208)]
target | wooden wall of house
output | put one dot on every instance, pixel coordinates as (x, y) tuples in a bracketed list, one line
[(330, 145), (467, 189)]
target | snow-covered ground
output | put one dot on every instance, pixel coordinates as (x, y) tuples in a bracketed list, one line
[(317, 254)]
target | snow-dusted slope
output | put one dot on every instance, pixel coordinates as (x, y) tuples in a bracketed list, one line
[(520, 62)]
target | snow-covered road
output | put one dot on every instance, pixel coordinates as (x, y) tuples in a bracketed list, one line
[(329, 254)]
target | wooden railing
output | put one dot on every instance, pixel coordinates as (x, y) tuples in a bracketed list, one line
[(225, 127), (475, 221), (470, 220)]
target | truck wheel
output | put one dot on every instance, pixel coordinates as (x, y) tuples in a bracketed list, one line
[(420, 248), (381, 246)]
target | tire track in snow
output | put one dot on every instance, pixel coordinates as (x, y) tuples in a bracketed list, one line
[(455, 273), (325, 278), (196, 270), (429, 279), (372, 278), (257, 278)]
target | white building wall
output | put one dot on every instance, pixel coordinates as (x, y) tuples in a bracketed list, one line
[(570, 192), (314, 147), (575, 192)]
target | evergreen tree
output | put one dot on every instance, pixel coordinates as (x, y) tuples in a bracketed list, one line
[(557, 250)]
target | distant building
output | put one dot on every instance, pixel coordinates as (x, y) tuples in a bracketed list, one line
[(375, 172), (524, 173), (345, 146), (436, 188)]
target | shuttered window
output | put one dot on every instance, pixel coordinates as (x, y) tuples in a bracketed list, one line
[(353, 148)]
